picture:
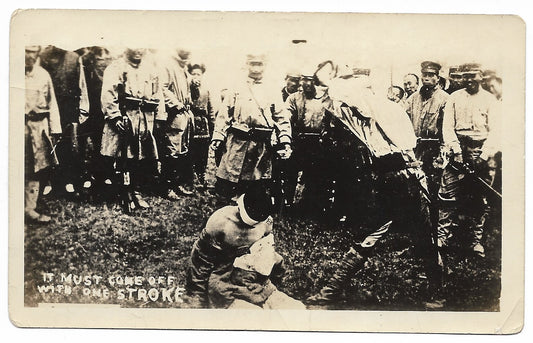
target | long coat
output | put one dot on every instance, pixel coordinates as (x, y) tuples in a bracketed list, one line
[(141, 82), (251, 106), (40, 99)]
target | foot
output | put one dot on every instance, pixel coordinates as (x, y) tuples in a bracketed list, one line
[(69, 188), (35, 217), (47, 190), (478, 250), (140, 201)]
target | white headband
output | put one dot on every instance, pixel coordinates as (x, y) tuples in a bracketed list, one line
[(244, 215)]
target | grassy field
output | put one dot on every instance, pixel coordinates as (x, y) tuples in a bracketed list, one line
[(93, 253)]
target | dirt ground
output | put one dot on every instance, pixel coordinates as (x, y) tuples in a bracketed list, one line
[(91, 250)]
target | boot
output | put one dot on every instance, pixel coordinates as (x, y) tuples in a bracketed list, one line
[(352, 262)]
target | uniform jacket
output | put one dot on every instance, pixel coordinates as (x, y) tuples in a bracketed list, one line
[(252, 106), (473, 116), (307, 114), (426, 114), (40, 98), (142, 82)]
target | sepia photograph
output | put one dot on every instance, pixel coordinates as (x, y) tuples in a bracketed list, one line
[(313, 172)]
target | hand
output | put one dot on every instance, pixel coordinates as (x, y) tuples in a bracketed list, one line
[(118, 124), (215, 144), (286, 152)]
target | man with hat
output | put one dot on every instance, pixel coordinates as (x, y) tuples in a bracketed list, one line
[(292, 82), (309, 159), (131, 96), (42, 122), (469, 125), (178, 127), (455, 77), (228, 234), (254, 123), (426, 109)]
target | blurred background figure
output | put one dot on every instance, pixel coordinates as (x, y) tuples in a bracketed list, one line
[(292, 84), (410, 84), (395, 94)]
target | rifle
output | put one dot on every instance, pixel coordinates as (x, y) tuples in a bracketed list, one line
[(466, 169), (127, 199)]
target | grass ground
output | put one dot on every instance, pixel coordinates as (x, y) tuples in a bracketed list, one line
[(96, 240)]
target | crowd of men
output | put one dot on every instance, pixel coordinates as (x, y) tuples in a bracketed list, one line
[(324, 144)]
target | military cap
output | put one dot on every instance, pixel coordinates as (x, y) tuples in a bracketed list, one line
[(430, 67), (293, 74), (34, 48), (471, 68), (487, 74), (255, 58), (361, 71), (454, 70)]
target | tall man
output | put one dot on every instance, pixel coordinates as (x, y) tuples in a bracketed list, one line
[(131, 96), (42, 121), (249, 120), (426, 109), (66, 72), (470, 122), (308, 117), (178, 128)]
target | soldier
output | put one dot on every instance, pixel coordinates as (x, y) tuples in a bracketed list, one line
[(410, 84), (248, 121), (131, 96), (385, 129), (203, 108), (469, 125), (426, 109), (42, 122), (309, 159), (178, 128), (395, 94), (65, 69), (292, 80), (95, 61), (456, 79)]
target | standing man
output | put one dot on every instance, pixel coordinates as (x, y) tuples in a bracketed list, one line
[(426, 109), (309, 159), (292, 80), (203, 109), (42, 121), (410, 84), (131, 96), (177, 130), (66, 72), (455, 78), (248, 121), (468, 129)]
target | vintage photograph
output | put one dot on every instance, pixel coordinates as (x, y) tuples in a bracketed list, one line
[(314, 162)]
